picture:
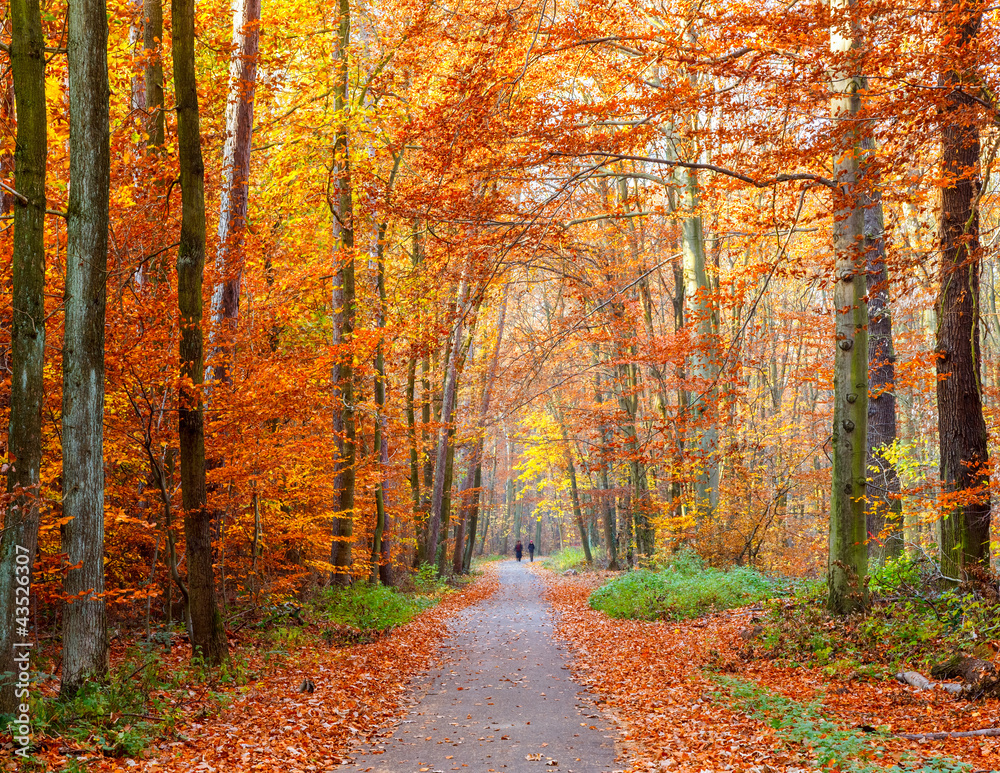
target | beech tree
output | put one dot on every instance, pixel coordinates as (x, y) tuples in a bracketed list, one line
[(848, 559), (964, 531), (229, 258), (208, 633), (20, 533), (85, 638), (340, 199)]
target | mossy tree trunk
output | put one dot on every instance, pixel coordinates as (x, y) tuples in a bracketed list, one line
[(848, 559), (19, 536)]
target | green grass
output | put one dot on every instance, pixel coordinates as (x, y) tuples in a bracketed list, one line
[(373, 607), (567, 558), (911, 624), (804, 723), (135, 706), (685, 588)]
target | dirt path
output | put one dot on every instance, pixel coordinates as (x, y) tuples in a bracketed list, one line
[(502, 700)]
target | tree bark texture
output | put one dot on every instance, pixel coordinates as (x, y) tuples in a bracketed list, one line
[(208, 632), (965, 525), (342, 208), (437, 515), (701, 365), (380, 544), (883, 504), (20, 533), (85, 639), (234, 195), (152, 42), (848, 559)]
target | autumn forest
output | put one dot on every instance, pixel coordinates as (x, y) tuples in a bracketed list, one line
[(300, 297)]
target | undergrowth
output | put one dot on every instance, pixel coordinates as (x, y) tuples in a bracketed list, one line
[(831, 747), (684, 588), (911, 623), (146, 695), (139, 702), (375, 607), (567, 558)]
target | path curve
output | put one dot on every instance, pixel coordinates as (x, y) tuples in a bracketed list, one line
[(502, 698)]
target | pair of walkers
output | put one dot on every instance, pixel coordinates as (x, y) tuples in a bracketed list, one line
[(519, 550)]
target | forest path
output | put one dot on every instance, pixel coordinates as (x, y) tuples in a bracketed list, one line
[(502, 698)]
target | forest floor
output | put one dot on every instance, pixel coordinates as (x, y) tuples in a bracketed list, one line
[(261, 720), (687, 698), (684, 696)]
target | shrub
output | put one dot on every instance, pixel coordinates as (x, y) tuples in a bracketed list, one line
[(684, 589), (368, 607)]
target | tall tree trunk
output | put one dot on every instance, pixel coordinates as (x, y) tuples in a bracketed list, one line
[(229, 259), (380, 545), (152, 42), (884, 505), (85, 637), (965, 525), (626, 387), (574, 490), (848, 559), (438, 517), (208, 632), (341, 206), (701, 364), (471, 490), (607, 497), (19, 537)]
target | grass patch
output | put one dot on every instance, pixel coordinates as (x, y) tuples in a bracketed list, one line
[(911, 624), (831, 747), (567, 558), (134, 707), (685, 588), (374, 607)]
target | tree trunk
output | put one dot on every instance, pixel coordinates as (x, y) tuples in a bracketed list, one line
[(19, 537), (848, 559), (701, 365), (85, 639), (341, 206), (607, 497), (470, 507), (965, 525), (626, 387), (438, 514), (380, 544), (884, 505), (574, 490), (236, 181), (152, 42), (208, 632)]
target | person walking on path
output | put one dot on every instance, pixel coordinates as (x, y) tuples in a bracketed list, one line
[(518, 550), (531, 551)]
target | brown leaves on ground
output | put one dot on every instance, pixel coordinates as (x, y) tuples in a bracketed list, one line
[(271, 726), (648, 677)]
